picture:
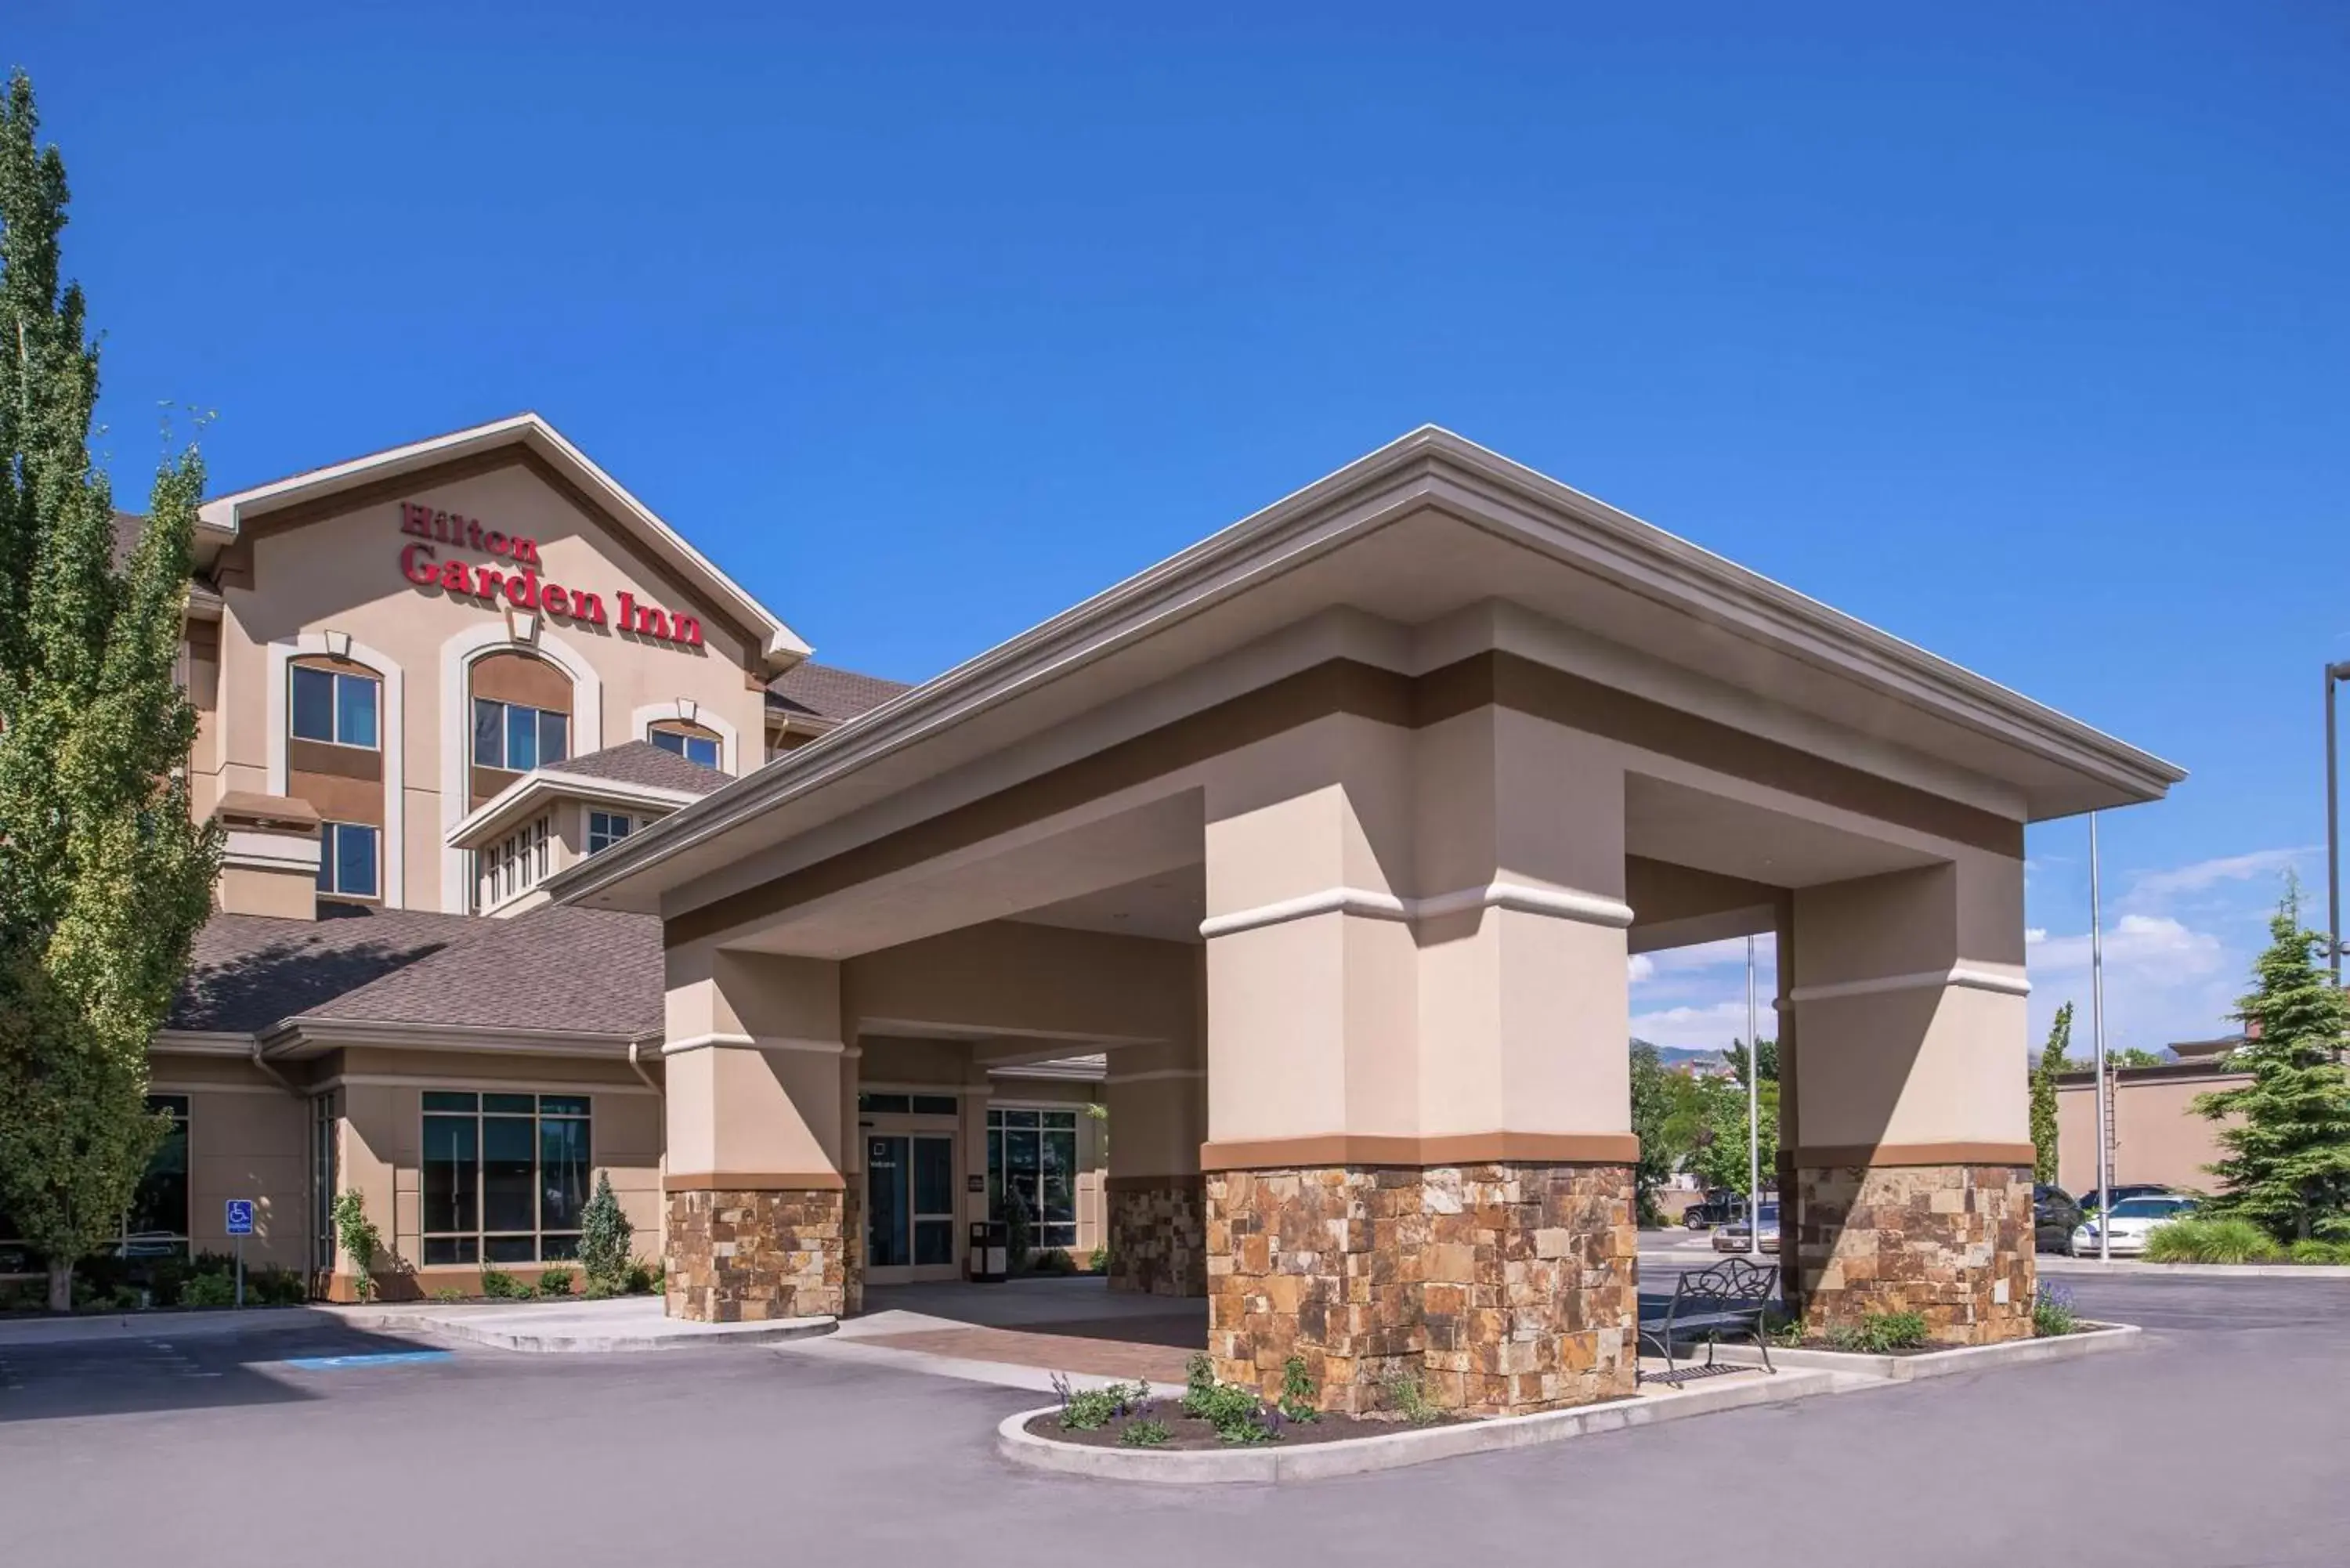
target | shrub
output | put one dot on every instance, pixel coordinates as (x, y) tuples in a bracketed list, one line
[(359, 1239), (1052, 1261), (1408, 1397), (2052, 1317), (1880, 1333), (1786, 1333), (1237, 1414), (499, 1285), (1147, 1433), (1089, 1409), (2317, 1251), (1012, 1211), (640, 1279), (604, 1233), (554, 1281), (2193, 1239), (1300, 1394), (209, 1290), (274, 1286), (1099, 1262), (448, 1294)]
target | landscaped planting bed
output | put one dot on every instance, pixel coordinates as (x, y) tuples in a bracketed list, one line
[(1212, 1415)]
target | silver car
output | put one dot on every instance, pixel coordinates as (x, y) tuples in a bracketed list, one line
[(1732, 1238)]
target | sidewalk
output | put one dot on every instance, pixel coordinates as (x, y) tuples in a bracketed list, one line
[(623, 1323)]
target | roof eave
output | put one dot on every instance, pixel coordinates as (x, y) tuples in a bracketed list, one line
[(1428, 461)]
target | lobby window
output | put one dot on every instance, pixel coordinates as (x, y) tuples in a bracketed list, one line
[(504, 1177), (516, 864), (333, 707), (347, 859), (606, 828), (694, 745), (156, 1223), (1036, 1154), (511, 736)]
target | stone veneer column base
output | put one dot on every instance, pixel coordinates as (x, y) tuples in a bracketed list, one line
[(1504, 1289), (1158, 1234), (1954, 1243), (748, 1256)]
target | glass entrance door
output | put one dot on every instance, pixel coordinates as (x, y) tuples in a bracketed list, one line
[(910, 1219)]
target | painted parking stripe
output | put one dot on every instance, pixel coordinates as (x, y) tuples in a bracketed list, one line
[(378, 1358)]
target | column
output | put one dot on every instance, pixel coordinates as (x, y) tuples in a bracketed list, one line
[(1158, 1101), (1419, 1157), (761, 1220), (1911, 1177)]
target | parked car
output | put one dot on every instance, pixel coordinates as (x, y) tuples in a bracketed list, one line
[(1731, 1237), (2122, 1192), (1719, 1206), (2055, 1217), (2133, 1219)]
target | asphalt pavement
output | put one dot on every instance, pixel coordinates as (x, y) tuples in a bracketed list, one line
[(2221, 1443)]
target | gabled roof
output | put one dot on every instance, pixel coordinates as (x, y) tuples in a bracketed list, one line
[(357, 972), (818, 696), (642, 762), (222, 517)]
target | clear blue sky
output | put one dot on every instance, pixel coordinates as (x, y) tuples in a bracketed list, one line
[(2021, 331)]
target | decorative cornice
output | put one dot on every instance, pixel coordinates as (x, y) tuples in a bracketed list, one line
[(762, 1043), (1959, 977), (1443, 1149), (1562, 903)]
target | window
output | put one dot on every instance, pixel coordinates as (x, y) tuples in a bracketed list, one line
[(506, 1176), (333, 707), (902, 1104), (347, 859), (1034, 1154), (702, 749), (516, 864), (156, 1224), (606, 828), (518, 739)]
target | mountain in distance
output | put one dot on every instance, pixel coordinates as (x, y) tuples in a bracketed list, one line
[(1686, 1056)]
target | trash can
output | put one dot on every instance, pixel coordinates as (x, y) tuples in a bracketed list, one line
[(991, 1245)]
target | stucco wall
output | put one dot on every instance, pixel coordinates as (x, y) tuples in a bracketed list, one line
[(2157, 1137)]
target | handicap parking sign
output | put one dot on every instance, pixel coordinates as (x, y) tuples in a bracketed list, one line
[(240, 1216)]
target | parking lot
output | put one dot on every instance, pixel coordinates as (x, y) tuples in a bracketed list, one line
[(2220, 1443)]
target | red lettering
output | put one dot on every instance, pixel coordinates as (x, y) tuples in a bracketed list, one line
[(456, 578), (651, 622), (686, 630), (628, 612), (416, 564), (521, 591), (474, 532), (555, 601), (497, 543), (415, 519), (526, 551), (487, 582), (440, 528), (588, 609)]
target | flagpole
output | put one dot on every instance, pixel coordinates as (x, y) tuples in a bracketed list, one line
[(2097, 1030), (1754, 1121)]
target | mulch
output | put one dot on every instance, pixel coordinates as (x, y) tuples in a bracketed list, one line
[(1191, 1433)]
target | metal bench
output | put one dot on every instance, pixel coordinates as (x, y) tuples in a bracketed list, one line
[(1732, 1297)]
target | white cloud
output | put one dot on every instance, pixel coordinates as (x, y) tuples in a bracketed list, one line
[(1640, 967), (1712, 1026), (2154, 887), (2150, 950)]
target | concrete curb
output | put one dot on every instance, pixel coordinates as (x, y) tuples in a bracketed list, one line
[(1946, 1363), (190, 1325), (963, 1368), (1392, 1450), (507, 1333), (2050, 1263)]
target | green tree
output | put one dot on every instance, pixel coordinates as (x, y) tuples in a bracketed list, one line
[(2288, 1163), (1652, 1113), (1720, 1158), (2044, 1095), (104, 877), (1766, 1060)]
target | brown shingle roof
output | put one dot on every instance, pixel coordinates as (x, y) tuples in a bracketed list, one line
[(830, 696), (248, 971), (557, 967), (642, 762)]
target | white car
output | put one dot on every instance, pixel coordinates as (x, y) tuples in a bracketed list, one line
[(2133, 1219)]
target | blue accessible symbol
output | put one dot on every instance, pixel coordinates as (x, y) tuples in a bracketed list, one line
[(240, 1216)]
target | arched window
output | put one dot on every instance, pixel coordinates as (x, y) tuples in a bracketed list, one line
[(521, 718), (334, 760), (694, 742)]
